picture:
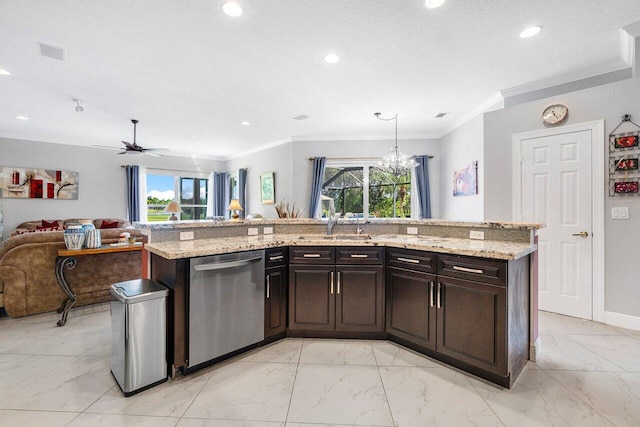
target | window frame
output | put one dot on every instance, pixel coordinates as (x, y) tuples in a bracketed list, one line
[(365, 165), (178, 176)]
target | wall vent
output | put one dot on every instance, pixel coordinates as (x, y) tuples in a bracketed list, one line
[(441, 115), (301, 117), (51, 52)]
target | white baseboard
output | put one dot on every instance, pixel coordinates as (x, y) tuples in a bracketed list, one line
[(622, 320)]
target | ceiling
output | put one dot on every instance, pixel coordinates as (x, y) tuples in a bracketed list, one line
[(192, 74)]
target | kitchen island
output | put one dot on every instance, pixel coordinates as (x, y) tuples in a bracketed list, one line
[(468, 303)]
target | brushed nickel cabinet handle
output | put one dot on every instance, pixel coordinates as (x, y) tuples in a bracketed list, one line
[(431, 294), (468, 270), (338, 283), (276, 258), (439, 296), (311, 255), (413, 261), (359, 256), (268, 287), (332, 283)]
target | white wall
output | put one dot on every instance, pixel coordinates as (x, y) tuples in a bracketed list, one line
[(608, 102), (277, 159), (102, 182), (302, 166), (459, 148)]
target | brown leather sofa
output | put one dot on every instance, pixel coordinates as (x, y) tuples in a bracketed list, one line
[(28, 283)]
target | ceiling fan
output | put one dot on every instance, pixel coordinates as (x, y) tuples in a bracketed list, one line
[(133, 148)]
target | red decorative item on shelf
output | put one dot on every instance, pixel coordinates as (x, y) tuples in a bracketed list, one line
[(626, 141), (625, 187)]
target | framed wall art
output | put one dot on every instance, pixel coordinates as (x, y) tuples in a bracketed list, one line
[(29, 183), (465, 180), (267, 188)]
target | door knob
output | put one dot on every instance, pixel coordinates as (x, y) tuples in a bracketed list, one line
[(581, 234)]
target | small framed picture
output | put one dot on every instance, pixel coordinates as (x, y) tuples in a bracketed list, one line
[(465, 181), (267, 188)]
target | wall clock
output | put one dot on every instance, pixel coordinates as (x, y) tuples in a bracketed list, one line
[(554, 114)]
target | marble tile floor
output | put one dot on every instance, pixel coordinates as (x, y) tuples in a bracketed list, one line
[(587, 375)]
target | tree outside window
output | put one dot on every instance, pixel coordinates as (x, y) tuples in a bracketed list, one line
[(366, 192)]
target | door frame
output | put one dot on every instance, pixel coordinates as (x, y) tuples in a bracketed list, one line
[(597, 201)]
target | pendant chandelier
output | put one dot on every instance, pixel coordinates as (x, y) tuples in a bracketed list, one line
[(396, 162)]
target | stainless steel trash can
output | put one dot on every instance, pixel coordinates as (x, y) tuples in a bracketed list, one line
[(138, 334)]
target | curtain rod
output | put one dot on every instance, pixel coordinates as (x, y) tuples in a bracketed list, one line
[(357, 158)]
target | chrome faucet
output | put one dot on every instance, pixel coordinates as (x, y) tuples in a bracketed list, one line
[(333, 218), (359, 229)]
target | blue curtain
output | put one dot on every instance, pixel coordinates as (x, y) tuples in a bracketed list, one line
[(242, 191), (133, 192), (422, 178), (316, 184), (220, 193)]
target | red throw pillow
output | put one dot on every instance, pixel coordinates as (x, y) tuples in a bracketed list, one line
[(41, 229), (109, 224), (47, 224)]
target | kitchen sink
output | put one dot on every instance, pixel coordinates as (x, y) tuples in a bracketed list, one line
[(337, 237)]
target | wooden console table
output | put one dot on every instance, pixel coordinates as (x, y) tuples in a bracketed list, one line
[(67, 259)]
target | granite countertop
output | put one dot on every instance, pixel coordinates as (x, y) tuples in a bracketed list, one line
[(480, 248), (160, 225)]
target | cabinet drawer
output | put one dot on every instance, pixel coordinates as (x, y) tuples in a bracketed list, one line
[(276, 257), (476, 269), (412, 260), (312, 255), (359, 255)]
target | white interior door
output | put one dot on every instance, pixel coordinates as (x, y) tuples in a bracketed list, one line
[(556, 189)]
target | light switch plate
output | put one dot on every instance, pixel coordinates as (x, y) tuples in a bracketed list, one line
[(268, 230), (253, 231), (412, 230), (620, 212), (478, 235), (186, 235)]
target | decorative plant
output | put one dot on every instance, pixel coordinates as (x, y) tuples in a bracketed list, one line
[(283, 210)]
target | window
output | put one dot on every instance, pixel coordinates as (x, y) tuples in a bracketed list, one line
[(366, 191), (191, 192)]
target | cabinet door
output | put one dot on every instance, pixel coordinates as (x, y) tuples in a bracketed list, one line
[(472, 323), (359, 298), (311, 297), (410, 303), (275, 310)]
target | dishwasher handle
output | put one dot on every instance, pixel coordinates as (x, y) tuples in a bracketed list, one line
[(224, 265)]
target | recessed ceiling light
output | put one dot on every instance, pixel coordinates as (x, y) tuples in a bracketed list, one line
[(22, 117), (531, 31), (232, 8), (245, 124), (331, 58), (432, 4), (4, 72)]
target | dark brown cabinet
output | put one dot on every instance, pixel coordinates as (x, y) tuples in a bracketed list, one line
[(411, 312), (470, 312), (336, 297), (276, 284), (471, 323)]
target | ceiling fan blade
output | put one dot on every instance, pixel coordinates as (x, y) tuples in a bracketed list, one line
[(151, 153), (129, 145), (155, 149), (108, 147)]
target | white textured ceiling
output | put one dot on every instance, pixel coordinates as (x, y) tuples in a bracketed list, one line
[(191, 74)]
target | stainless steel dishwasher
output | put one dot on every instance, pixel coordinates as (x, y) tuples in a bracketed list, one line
[(226, 305)]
